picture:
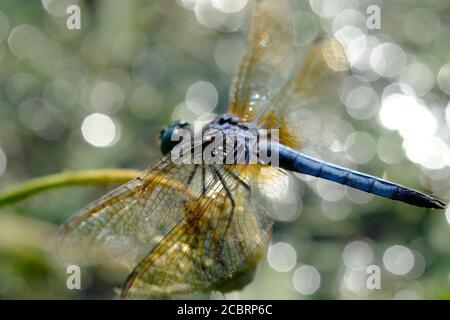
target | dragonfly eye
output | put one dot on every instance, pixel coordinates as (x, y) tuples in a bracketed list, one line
[(167, 137), (161, 133)]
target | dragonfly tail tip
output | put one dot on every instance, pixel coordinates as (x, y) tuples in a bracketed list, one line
[(438, 204)]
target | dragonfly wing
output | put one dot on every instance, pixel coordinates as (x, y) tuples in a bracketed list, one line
[(276, 89), (323, 65), (223, 233), (268, 61), (137, 213), (308, 106)]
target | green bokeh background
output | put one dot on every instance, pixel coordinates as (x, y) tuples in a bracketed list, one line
[(154, 51)]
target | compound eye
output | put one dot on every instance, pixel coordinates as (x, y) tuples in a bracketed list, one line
[(162, 131)]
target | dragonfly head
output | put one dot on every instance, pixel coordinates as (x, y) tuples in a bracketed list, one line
[(168, 135)]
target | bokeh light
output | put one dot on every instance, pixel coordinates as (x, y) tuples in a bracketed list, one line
[(21, 86), (106, 97), (208, 14), (201, 97), (336, 210), (26, 42), (43, 121), (282, 256), (408, 116), (362, 102), (358, 254), (306, 280), (354, 282), (229, 5), (398, 260), (330, 191), (443, 78), (58, 7), (326, 8), (419, 77), (388, 60), (447, 214), (99, 130), (360, 147)]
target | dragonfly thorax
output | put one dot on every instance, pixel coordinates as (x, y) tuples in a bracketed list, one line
[(229, 140), (225, 140)]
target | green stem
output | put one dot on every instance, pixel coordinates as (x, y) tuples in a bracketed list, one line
[(69, 178)]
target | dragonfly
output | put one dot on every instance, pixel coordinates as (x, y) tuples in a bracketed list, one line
[(203, 226)]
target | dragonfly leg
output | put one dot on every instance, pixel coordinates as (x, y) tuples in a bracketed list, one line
[(203, 181), (191, 176), (229, 195), (222, 181), (241, 181)]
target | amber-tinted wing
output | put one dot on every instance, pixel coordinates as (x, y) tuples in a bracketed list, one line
[(279, 88), (222, 233), (323, 64), (268, 61), (140, 212), (308, 107)]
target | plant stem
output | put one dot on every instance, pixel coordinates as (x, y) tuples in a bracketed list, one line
[(68, 178)]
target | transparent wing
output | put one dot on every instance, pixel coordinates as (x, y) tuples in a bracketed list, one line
[(308, 107), (268, 61), (224, 232), (278, 88), (324, 63), (137, 213)]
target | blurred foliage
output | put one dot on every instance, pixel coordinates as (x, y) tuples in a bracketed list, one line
[(134, 61)]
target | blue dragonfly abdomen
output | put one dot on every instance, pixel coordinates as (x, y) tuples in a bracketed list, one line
[(293, 160)]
